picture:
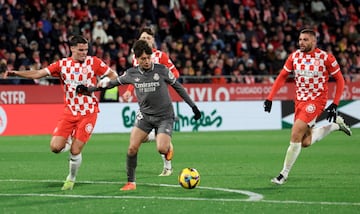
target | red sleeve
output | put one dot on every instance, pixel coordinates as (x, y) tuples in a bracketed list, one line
[(54, 69), (340, 83), (100, 68), (169, 64), (280, 81), (333, 67)]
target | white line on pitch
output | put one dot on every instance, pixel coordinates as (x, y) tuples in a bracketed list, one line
[(253, 197)]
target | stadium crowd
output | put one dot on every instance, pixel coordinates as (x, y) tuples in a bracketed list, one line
[(209, 41)]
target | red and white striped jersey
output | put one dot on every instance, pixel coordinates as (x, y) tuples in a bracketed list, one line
[(312, 71), (74, 73)]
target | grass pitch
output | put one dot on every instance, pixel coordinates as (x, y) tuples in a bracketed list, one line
[(235, 169)]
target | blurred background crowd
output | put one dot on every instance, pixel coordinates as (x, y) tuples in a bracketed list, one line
[(209, 41)]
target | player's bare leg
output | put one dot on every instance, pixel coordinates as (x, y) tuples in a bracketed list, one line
[(167, 169), (68, 142)]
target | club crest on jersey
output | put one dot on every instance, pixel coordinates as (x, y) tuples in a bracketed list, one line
[(89, 128), (156, 77), (310, 108), (84, 70)]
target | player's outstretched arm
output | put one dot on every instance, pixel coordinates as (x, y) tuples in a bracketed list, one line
[(34, 74)]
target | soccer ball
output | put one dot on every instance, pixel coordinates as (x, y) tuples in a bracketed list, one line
[(189, 178)]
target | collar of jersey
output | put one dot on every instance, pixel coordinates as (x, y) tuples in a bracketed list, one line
[(142, 71)]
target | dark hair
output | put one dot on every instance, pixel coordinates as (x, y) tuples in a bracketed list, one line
[(141, 47), (308, 31), (76, 39), (147, 30)]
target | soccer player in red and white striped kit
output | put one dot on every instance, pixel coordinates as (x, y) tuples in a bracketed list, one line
[(81, 109), (312, 68), (159, 57)]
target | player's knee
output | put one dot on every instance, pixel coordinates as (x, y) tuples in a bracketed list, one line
[(305, 144), (132, 151), (55, 148), (75, 151), (162, 148)]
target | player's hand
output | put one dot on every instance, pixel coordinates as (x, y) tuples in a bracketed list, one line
[(267, 105), (81, 89), (126, 96), (104, 82), (197, 113), (331, 112), (9, 74)]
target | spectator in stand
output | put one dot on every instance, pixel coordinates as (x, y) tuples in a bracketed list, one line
[(190, 69), (11, 25), (229, 67), (122, 65), (236, 77), (318, 9), (218, 78), (200, 77), (99, 32), (220, 22), (123, 46)]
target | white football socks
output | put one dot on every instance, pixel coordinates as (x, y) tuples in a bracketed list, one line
[(290, 158), (321, 132), (74, 165), (167, 163)]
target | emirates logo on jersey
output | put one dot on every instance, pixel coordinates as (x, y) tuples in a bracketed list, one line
[(310, 108), (156, 77), (84, 70)]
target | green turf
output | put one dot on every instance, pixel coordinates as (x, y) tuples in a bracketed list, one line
[(325, 179)]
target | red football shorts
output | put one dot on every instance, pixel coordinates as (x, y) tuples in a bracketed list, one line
[(79, 126), (308, 111)]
